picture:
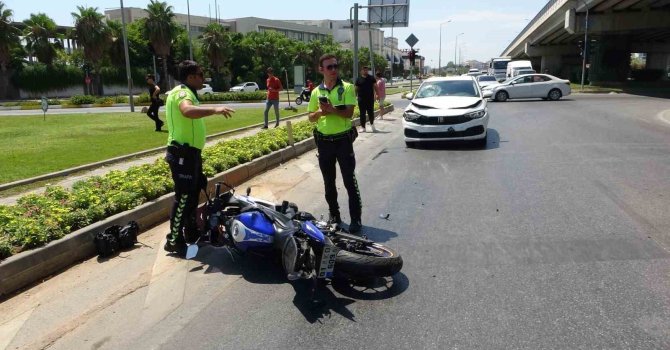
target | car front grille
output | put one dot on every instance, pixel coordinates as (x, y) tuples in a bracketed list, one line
[(423, 120), (473, 131)]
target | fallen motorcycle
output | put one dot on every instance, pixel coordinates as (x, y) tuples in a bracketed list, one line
[(309, 248)]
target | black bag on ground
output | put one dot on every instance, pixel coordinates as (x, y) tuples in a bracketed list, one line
[(107, 242), (127, 235)]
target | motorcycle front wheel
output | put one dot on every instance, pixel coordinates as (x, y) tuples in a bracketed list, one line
[(371, 260), (298, 101)]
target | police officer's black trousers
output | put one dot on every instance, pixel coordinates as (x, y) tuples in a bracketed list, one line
[(342, 152), (186, 167)]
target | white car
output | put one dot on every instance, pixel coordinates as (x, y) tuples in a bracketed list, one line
[(445, 109), (486, 80), (544, 86), (206, 90), (245, 87)]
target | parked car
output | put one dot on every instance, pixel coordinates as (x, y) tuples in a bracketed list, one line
[(544, 86), (486, 80), (446, 108), (206, 90), (474, 72), (245, 87)]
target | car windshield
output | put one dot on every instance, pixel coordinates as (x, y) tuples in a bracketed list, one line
[(240, 85), (465, 88), (487, 78)]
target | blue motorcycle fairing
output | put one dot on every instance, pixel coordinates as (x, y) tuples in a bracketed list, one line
[(252, 229), (313, 231)]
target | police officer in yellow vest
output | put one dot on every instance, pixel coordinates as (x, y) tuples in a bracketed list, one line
[(331, 107), (186, 139)]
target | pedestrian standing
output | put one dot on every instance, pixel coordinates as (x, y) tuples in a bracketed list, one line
[(154, 92), (366, 85), (274, 87), (186, 139), (381, 93), (331, 107)]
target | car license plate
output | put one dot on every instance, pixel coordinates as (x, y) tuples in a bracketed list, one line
[(327, 262)]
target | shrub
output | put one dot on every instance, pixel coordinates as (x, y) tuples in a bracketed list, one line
[(37, 219), (82, 99), (40, 78), (120, 99), (104, 100)]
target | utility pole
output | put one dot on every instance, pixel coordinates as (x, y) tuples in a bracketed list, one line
[(125, 49), (586, 44), (188, 30), (439, 62), (456, 51), (355, 68)]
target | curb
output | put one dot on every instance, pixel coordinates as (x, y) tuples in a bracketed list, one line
[(69, 171), (28, 267)]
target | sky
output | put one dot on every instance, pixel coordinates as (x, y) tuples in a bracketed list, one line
[(488, 26)]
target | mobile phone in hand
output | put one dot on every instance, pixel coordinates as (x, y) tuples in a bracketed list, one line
[(323, 99)]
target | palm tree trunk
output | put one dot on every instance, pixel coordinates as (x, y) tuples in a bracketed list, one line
[(166, 84)]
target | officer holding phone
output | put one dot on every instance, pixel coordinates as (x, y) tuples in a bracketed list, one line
[(331, 107)]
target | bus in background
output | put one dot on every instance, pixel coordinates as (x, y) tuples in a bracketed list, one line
[(498, 67)]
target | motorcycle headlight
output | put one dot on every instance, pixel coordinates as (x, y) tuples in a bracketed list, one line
[(476, 114), (411, 115)]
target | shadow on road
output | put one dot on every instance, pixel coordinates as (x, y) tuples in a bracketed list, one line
[(374, 289), (492, 142), (378, 234), (321, 304)]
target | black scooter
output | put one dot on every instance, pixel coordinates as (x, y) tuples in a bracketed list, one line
[(304, 96)]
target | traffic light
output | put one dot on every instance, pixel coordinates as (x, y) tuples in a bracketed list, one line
[(412, 57)]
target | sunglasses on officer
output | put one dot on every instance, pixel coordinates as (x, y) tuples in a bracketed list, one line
[(333, 66)]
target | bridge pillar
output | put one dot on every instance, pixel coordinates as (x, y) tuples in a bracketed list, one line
[(551, 64), (609, 59), (661, 61)]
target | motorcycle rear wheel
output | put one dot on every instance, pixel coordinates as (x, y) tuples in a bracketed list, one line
[(373, 260), (298, 100)]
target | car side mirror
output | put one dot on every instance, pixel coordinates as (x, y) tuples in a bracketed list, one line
[(511, 83)]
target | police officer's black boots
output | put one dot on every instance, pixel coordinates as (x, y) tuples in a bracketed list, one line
[(355, 226)]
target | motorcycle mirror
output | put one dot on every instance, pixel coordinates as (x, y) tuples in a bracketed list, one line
[(191, 251), (248, 191)]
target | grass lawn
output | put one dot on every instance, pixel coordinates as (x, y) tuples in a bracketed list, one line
[(34, 147)]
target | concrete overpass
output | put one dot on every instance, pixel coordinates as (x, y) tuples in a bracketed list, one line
[(616, 29)]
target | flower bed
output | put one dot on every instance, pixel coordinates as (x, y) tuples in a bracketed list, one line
[(37, 219)]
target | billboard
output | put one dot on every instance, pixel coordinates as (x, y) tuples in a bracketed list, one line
[(388, 13)]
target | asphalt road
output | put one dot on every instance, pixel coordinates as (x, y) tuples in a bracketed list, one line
[(555, 236)]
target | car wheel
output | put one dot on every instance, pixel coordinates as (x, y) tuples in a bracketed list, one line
[(555, 95), (502, 96)]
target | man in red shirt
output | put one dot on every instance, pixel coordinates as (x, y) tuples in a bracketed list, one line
[(274, 86)]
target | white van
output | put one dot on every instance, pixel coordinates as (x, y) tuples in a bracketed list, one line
[(515, 66)]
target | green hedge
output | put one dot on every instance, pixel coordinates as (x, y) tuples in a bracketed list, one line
[(37, 219), (40, 78)]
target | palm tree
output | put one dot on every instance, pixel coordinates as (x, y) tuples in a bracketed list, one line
[(39, 31), (9, 39), (160, 31), (95, 36), (116, 50), (217, 48)]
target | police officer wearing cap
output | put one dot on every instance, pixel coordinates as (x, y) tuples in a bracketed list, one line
[(331, 107), (186, 139)]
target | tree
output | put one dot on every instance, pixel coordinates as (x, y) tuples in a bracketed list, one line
[(216, 45), (160, 30), (95, 36), (115, 50), (40, 30), (9, 42)]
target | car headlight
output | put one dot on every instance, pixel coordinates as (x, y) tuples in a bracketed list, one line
[(411, 115), (476, 114)]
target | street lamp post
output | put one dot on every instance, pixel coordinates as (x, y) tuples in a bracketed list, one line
[(456, 50), (188, 30), (586, 43), (439, 61), (125, 49)]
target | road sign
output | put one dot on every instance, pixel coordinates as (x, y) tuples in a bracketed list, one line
[(45, 106), (388, 13), (411, 40)]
